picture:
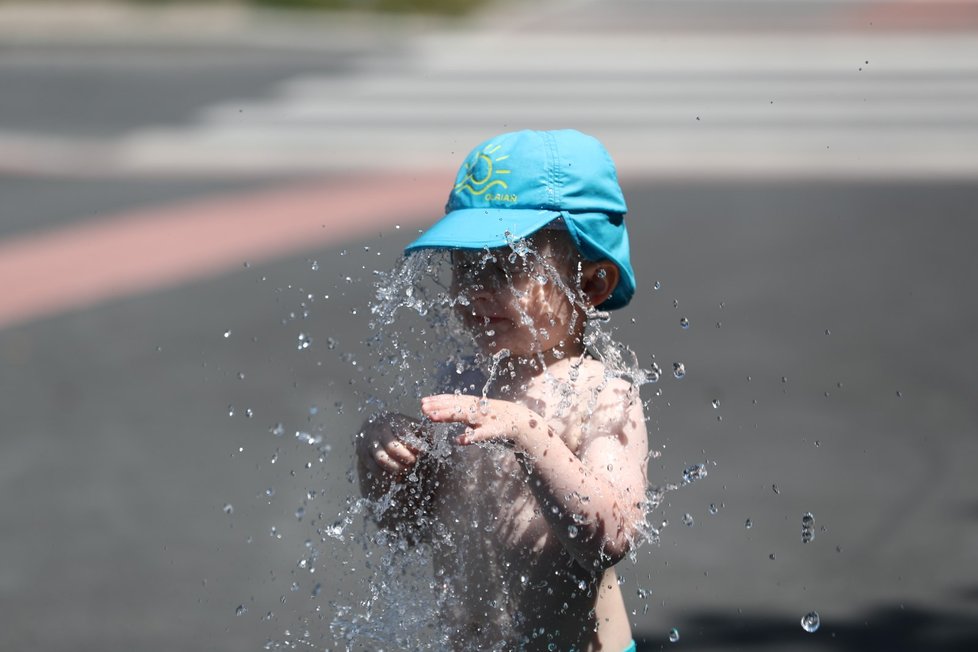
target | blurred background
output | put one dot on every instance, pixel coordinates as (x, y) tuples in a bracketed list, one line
[(194, 198)]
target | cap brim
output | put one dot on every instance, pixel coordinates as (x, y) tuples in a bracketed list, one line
[(480, 228)]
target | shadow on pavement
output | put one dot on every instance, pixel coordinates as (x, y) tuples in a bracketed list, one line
[(892, 628)]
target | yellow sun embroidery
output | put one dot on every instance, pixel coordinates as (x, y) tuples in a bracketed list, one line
[(481, 171)]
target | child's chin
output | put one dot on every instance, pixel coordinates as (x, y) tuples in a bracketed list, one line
[(493, 343), (517, 349)]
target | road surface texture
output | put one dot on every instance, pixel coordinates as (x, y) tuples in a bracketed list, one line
[(186, 194)]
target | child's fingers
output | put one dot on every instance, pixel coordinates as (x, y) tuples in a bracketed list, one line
[(481, 434), (373, 468), (387, 463), (388, 453), (470, 436), (400, 453), (446, 408)]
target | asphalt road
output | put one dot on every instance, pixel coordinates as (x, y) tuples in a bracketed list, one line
[(831, 321)]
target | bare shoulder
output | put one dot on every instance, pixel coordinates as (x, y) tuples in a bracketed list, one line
[(613, 404)]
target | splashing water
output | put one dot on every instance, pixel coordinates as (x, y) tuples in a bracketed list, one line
[(810, 622), (693, 473), (807, 528), (426, 337)]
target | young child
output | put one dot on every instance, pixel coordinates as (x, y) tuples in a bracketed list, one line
[(530, 523)]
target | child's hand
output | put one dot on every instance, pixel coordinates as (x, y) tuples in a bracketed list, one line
[(383, 449), (487, 419)]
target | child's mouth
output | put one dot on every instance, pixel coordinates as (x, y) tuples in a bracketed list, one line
[(491, 324)]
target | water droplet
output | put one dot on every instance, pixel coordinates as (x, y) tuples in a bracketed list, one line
[(335, 530), (230, 410), (240, 611), (228, 508), (655, 372), (241, 375), (694, 473), (673, 635), (249, 413), (775, 489), (304, 341), (305, 437), (810, 622), (227, 334), (807, 527), (684, 323), (314, 266), (713, 508), (678, 370), (270, 492), (716, 403), (828, 332), (748, 524), (688, 519), (657, 285), (278, 429), (572, 531), (771, 556), (899, 394)]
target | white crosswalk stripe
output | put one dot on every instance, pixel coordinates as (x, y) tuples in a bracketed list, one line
[(810, 104)]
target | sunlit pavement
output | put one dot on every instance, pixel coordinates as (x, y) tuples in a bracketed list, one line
[(832, 289)]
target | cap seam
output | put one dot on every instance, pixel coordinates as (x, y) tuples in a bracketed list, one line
[(551, 144), (558, 175)]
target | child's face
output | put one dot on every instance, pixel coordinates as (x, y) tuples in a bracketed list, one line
[(519, 302)]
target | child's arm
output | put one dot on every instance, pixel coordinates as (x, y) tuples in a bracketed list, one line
[(387, 459), (599, 495)]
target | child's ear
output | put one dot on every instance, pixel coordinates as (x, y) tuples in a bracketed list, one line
[(598, 280)]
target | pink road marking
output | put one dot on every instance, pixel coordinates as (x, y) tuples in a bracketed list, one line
[(923, 15), (47, 273)]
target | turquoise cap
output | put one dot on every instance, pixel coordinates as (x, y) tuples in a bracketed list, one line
[(515, 184)]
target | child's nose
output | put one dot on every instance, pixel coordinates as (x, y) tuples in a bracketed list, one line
[(479, 292)]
